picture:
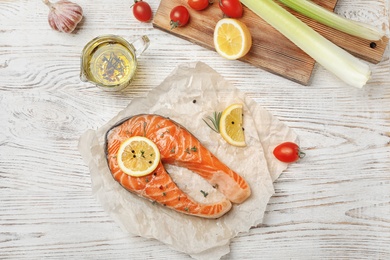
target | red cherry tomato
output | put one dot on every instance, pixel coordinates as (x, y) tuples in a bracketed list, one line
[(231, 8), (142, 11), (179, 16), (198, 5), (288, 152)]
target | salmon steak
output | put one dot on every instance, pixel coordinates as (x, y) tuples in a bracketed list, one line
[(177, 147)]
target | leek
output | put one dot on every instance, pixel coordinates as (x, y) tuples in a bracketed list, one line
[(324, 16), (334, 59)]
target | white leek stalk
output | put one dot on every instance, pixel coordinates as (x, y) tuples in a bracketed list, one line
[(336, 60), (324, 16)]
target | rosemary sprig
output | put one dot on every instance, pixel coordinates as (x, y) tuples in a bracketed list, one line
[(214, 121)]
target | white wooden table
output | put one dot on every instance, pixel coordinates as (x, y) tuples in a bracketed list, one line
[(333, 204)]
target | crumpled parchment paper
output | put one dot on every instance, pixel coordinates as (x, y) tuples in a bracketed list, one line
[(191, 93)]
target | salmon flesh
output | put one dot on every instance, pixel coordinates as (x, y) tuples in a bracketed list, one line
[(177, 147)]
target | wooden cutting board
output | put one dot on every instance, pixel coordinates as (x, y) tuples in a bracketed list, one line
[(270, 50)]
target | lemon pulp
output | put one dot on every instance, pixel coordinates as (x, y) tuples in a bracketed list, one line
[(138, 156), (231, 125), (232, 38)]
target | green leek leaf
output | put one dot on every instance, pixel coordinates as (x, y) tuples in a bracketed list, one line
[(333, 58), (331, 19)]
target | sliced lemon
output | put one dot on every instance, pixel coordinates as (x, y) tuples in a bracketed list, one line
[(230, 125), (138, 156), (232, 38)]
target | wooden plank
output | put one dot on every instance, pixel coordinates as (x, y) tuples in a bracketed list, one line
[(333, 204), (270, 51)]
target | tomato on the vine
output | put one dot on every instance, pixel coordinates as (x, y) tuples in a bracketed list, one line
[(198, 5), (179, 16), (142, 11), (231, 8), (288, 152)]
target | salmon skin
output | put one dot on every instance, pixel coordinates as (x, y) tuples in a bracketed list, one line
[(177, 147)]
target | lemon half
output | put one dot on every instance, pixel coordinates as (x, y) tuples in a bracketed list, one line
[(232, 38), (138, 156), (230, 125)]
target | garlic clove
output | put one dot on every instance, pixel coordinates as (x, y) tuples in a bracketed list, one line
[(64, 15)]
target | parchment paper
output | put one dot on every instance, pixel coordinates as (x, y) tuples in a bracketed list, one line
[(193, 92)]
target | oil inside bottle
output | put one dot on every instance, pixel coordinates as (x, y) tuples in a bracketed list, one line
[(111, 64)]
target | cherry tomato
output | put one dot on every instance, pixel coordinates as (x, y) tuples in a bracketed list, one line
[(198, 5), (142, 11), (288, 152), (179, 16), (231, 8)]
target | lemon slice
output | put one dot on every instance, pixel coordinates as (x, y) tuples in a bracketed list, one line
[(230, 125), (232, 38), (138, 156)]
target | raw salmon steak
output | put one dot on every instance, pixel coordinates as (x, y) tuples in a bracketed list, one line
[(177, 147)]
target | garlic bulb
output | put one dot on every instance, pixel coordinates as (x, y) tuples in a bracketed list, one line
[(64, 15)]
